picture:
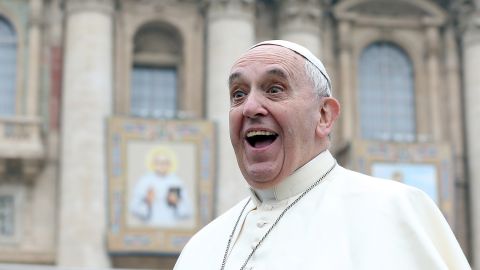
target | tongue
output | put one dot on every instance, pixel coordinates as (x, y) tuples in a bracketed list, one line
[(263, 143)]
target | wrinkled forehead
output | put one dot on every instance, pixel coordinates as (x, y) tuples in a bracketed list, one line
[(296, 49), (270, 55)]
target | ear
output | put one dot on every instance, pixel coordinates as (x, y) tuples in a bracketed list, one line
[(329, 111)]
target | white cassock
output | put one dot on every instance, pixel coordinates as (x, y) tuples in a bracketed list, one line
[(348, 221)]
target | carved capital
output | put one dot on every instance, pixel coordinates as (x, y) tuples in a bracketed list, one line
[(300, 15), (36, 18), (471, 29), (234, 9), (344, 32), (433, 40), (103, 6)]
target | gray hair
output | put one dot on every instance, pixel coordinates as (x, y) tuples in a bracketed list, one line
[(321, 86)]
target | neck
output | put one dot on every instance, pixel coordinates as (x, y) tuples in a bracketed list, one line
[(297, 182)]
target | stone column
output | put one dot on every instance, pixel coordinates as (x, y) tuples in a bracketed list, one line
[(433, 41), (300, 22), (34, 53), (347, 93), (471, 65), (452, 105), (86, 104), (230, 32)]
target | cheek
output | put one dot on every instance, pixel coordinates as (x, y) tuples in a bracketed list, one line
[(234, 124)]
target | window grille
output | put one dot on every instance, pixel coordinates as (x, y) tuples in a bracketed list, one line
[(8, 67), (386, 94), (7, 216), (153, 92)]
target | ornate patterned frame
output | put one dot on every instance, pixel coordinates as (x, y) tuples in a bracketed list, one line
[(122, 132), (369, 153)]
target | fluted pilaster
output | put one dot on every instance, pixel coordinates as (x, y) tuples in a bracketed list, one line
[(345, 80), (433, 41), (34, 35)]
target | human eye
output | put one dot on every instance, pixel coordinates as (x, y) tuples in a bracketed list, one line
[(275, 89), (238, 95)]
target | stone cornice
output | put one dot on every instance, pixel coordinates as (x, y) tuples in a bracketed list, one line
[(154, 6), (103, 6)]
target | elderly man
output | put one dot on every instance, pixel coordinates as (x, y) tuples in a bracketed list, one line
[(305, 211)]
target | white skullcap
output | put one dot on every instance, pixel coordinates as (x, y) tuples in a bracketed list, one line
[(307, 54)]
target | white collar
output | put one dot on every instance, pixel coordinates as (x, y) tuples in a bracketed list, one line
[(297, 182)]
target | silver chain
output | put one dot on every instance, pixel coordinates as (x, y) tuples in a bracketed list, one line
[(274, 223)]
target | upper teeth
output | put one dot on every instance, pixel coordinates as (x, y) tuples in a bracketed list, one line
[(259, 132)]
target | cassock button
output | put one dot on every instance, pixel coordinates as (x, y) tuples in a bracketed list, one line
[(261, 223), (254, 244)]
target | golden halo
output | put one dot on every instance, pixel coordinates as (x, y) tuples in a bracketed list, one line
[(164, 152)]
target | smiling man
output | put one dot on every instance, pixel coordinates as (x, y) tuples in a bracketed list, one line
[(305, 211)]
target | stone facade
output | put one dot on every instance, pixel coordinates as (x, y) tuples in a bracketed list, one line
[(74, 71)]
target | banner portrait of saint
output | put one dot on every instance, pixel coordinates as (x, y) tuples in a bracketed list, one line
[(160, 197)]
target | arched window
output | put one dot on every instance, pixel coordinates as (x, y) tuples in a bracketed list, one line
[(155, 71), (8, 67), (386, 94)]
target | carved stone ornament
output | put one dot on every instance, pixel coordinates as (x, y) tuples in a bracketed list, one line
[(397, 13), (466, 18), (300, 15), (152, 5), (471, 33), (230, 8), (36, 16), (388, 8)]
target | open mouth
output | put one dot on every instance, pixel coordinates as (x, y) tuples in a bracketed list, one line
[(260, 138)]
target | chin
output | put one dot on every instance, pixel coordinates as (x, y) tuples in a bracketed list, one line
[(261, 179)]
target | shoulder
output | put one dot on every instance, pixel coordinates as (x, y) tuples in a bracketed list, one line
[(365, 183), (358, 186)]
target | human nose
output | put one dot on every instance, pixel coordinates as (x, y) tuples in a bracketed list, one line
[(253, 106)]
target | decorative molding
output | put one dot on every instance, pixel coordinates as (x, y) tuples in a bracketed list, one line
[(388, 8), (152, 5), (300, 15), (470, 27), (461, 11), (103, 6), (400, 13)]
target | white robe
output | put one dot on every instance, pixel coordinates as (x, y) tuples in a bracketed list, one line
[(160, 213), (348, 221)]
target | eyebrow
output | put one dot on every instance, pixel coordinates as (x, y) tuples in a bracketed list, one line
[(277, 72), (274, 72), (233, 77)]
